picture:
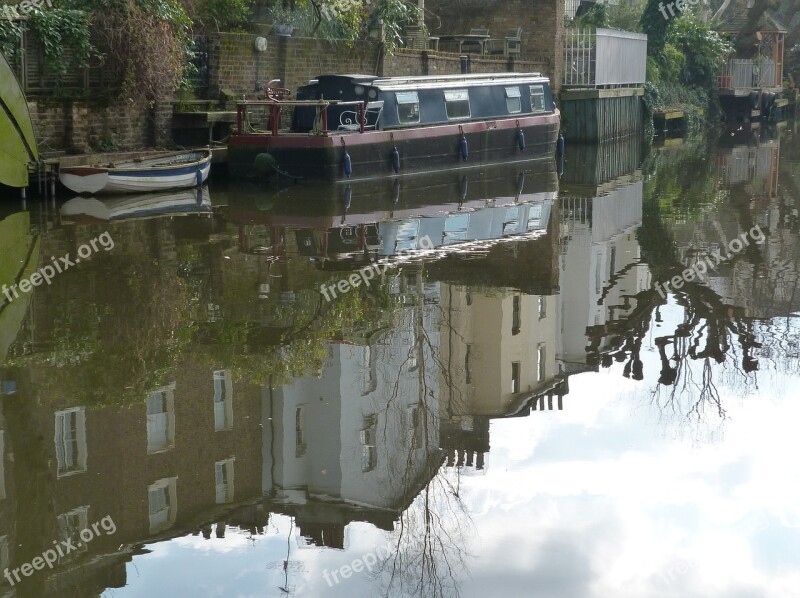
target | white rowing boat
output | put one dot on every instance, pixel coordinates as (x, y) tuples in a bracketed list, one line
[(174, 171)]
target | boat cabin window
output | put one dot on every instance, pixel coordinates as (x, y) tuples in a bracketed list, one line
[(407, 107), (537, 98), (456, 103), (513, 100)]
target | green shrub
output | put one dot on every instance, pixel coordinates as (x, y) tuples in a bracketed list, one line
[(226, 15)]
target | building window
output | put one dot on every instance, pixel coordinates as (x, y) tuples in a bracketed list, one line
[(2, 464), (369, 450), (163, 504), (456, 102), (299, 432), (542, 307), (71, 524), (540, 362), (516, 315), (515, 377), (4, 555), (223, 474), (513, 100), (414, 428), (161, 420), (468, 364), (407, 107), (413, 355), (370, 382), (223, 400), (537, 98), (71, 441)]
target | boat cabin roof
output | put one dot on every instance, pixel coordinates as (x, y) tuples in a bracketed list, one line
[(430, 81)]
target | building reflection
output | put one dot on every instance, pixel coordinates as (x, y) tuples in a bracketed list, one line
[(221, 390)]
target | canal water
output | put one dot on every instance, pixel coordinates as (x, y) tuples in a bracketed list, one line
[(575, 380)]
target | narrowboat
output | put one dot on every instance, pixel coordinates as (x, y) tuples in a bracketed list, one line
[(343, 127)]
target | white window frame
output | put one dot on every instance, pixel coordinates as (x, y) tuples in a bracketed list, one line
[(457, 96), (408, 98), (369, 448), (224, 489), (67, 531), (153, 420), (160, 521), (537, 91), (516, 382), (541, 356), (223, 400), (81, 458), (513, 93)]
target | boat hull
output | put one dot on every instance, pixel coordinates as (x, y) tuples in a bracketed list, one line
[(17, 141), (145, 179), (421, 149)]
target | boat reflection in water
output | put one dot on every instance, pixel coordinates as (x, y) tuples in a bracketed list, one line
[(362, 222), (133, 207)]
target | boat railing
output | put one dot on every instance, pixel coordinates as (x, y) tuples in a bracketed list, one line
[(362, 112)]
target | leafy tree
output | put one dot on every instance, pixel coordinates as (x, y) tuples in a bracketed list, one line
[(224, 15), (655, 26), (704, 50)]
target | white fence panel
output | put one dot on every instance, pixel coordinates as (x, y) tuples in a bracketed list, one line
[(621, 57), (605, 58)]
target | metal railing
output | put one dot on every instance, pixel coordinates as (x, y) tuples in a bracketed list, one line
[(246, 121), (741, 73), (604, 58)]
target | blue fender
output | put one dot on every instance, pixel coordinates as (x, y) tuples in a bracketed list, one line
[(396, 191), (395, 160), (521, 140), (560, 145), (348, 197), (348, 165), (464, 147)]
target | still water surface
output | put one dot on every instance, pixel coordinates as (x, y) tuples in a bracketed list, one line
[(508, 408)]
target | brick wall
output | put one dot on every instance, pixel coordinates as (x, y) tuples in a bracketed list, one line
[(405, 62), (542, 23), (93, 125), (234, 64)]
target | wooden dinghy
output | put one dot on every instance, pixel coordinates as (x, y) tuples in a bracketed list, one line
[(173, 171)]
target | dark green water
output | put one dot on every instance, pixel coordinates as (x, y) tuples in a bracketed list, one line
[(459, 384)]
